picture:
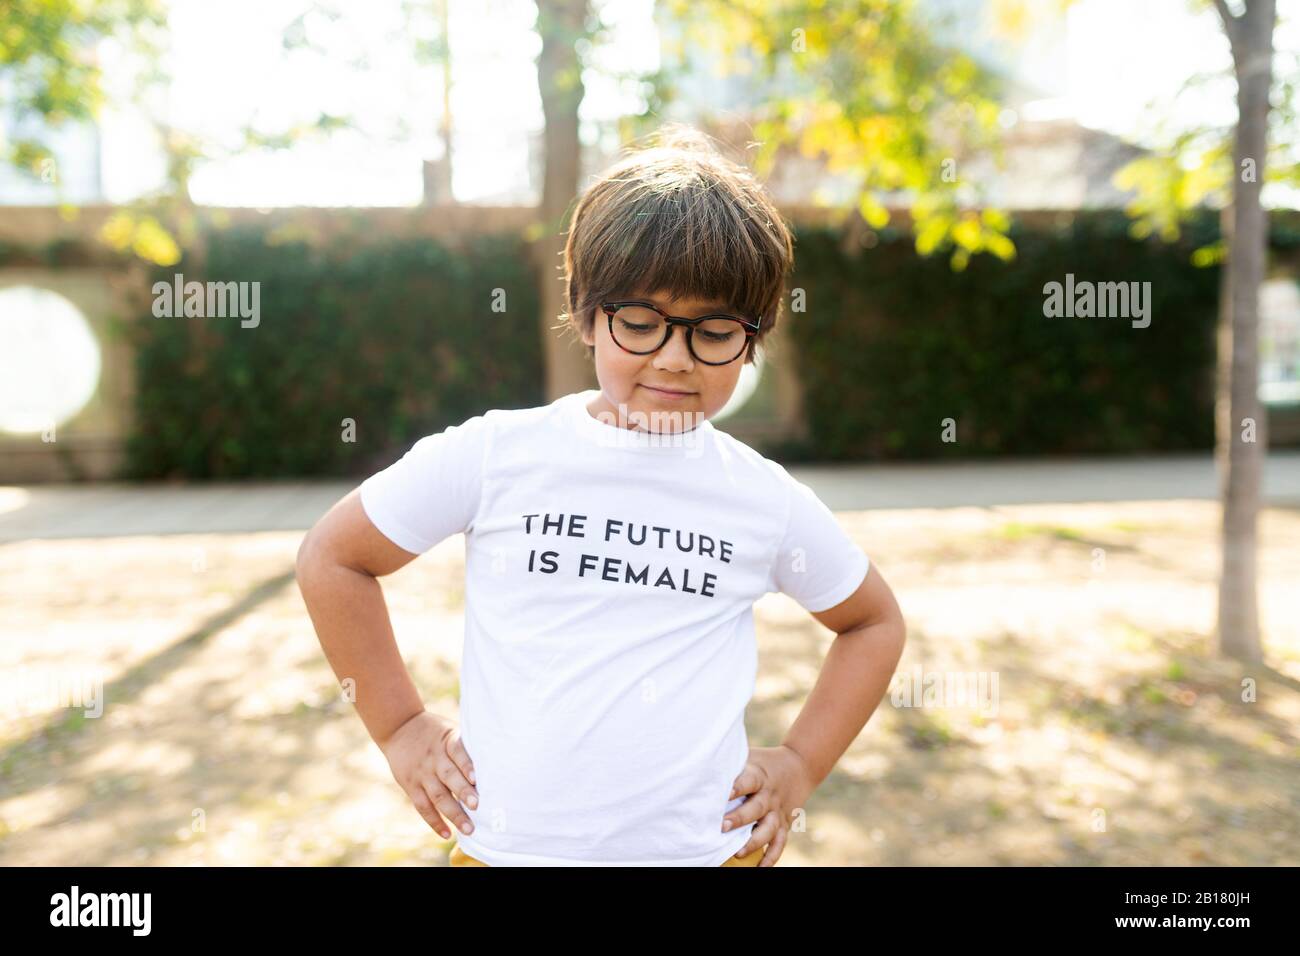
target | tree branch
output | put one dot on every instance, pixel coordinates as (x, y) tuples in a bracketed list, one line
[(1231, 25)]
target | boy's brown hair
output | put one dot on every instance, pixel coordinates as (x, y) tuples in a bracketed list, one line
[(677, 215)]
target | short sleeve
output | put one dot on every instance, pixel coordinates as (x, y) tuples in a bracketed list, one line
[(431, 492), (817, 563)]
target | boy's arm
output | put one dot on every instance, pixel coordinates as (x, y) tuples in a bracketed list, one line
[(870, 633), (337, 566)]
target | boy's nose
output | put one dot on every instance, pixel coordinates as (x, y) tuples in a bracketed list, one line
[(674, 353)]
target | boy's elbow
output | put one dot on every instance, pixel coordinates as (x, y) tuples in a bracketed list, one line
[(308, 555), (900, 635), (899, 623)]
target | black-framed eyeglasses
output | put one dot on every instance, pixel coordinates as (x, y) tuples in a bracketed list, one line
[(641, 327)]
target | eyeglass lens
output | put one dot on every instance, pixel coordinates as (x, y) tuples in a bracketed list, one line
[(639, 329)]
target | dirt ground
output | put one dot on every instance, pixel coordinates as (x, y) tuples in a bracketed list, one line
[(1103, 732)]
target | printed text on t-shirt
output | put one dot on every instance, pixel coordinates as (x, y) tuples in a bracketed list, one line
[(615, 569)]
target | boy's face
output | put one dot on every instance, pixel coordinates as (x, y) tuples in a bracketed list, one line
[(630, 380)]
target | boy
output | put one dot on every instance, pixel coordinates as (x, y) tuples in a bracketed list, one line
[(615, 543)]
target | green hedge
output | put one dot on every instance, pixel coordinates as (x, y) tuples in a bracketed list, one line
[(398, 335), (892, 343)]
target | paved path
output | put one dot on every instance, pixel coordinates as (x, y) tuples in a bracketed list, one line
[(1038, 481), (112, 509)]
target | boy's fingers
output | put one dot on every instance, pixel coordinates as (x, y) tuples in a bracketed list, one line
[(460, 756), (762, 834), (775, 848), (747, 782), (450, 776), (431, 817), (752, 809), (448, 806)]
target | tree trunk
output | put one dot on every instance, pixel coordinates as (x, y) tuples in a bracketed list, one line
[(561, 23), (437, 172), (1251, 36)]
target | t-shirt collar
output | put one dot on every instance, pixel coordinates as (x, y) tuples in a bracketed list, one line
[(608, 433)]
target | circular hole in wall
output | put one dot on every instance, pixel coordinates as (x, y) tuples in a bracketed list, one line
[(49, 360)]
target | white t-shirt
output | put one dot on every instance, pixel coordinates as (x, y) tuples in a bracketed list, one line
[(609, 654)]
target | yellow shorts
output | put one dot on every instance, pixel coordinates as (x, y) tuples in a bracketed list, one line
[(459, 857)]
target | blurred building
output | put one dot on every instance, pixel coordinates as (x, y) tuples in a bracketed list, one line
[(74, 176), (1049, 161)]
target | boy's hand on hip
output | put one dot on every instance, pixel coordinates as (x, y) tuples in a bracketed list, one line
[(778, 783), (429, 760)]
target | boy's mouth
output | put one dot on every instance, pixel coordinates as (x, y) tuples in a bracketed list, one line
[(674, 392)]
